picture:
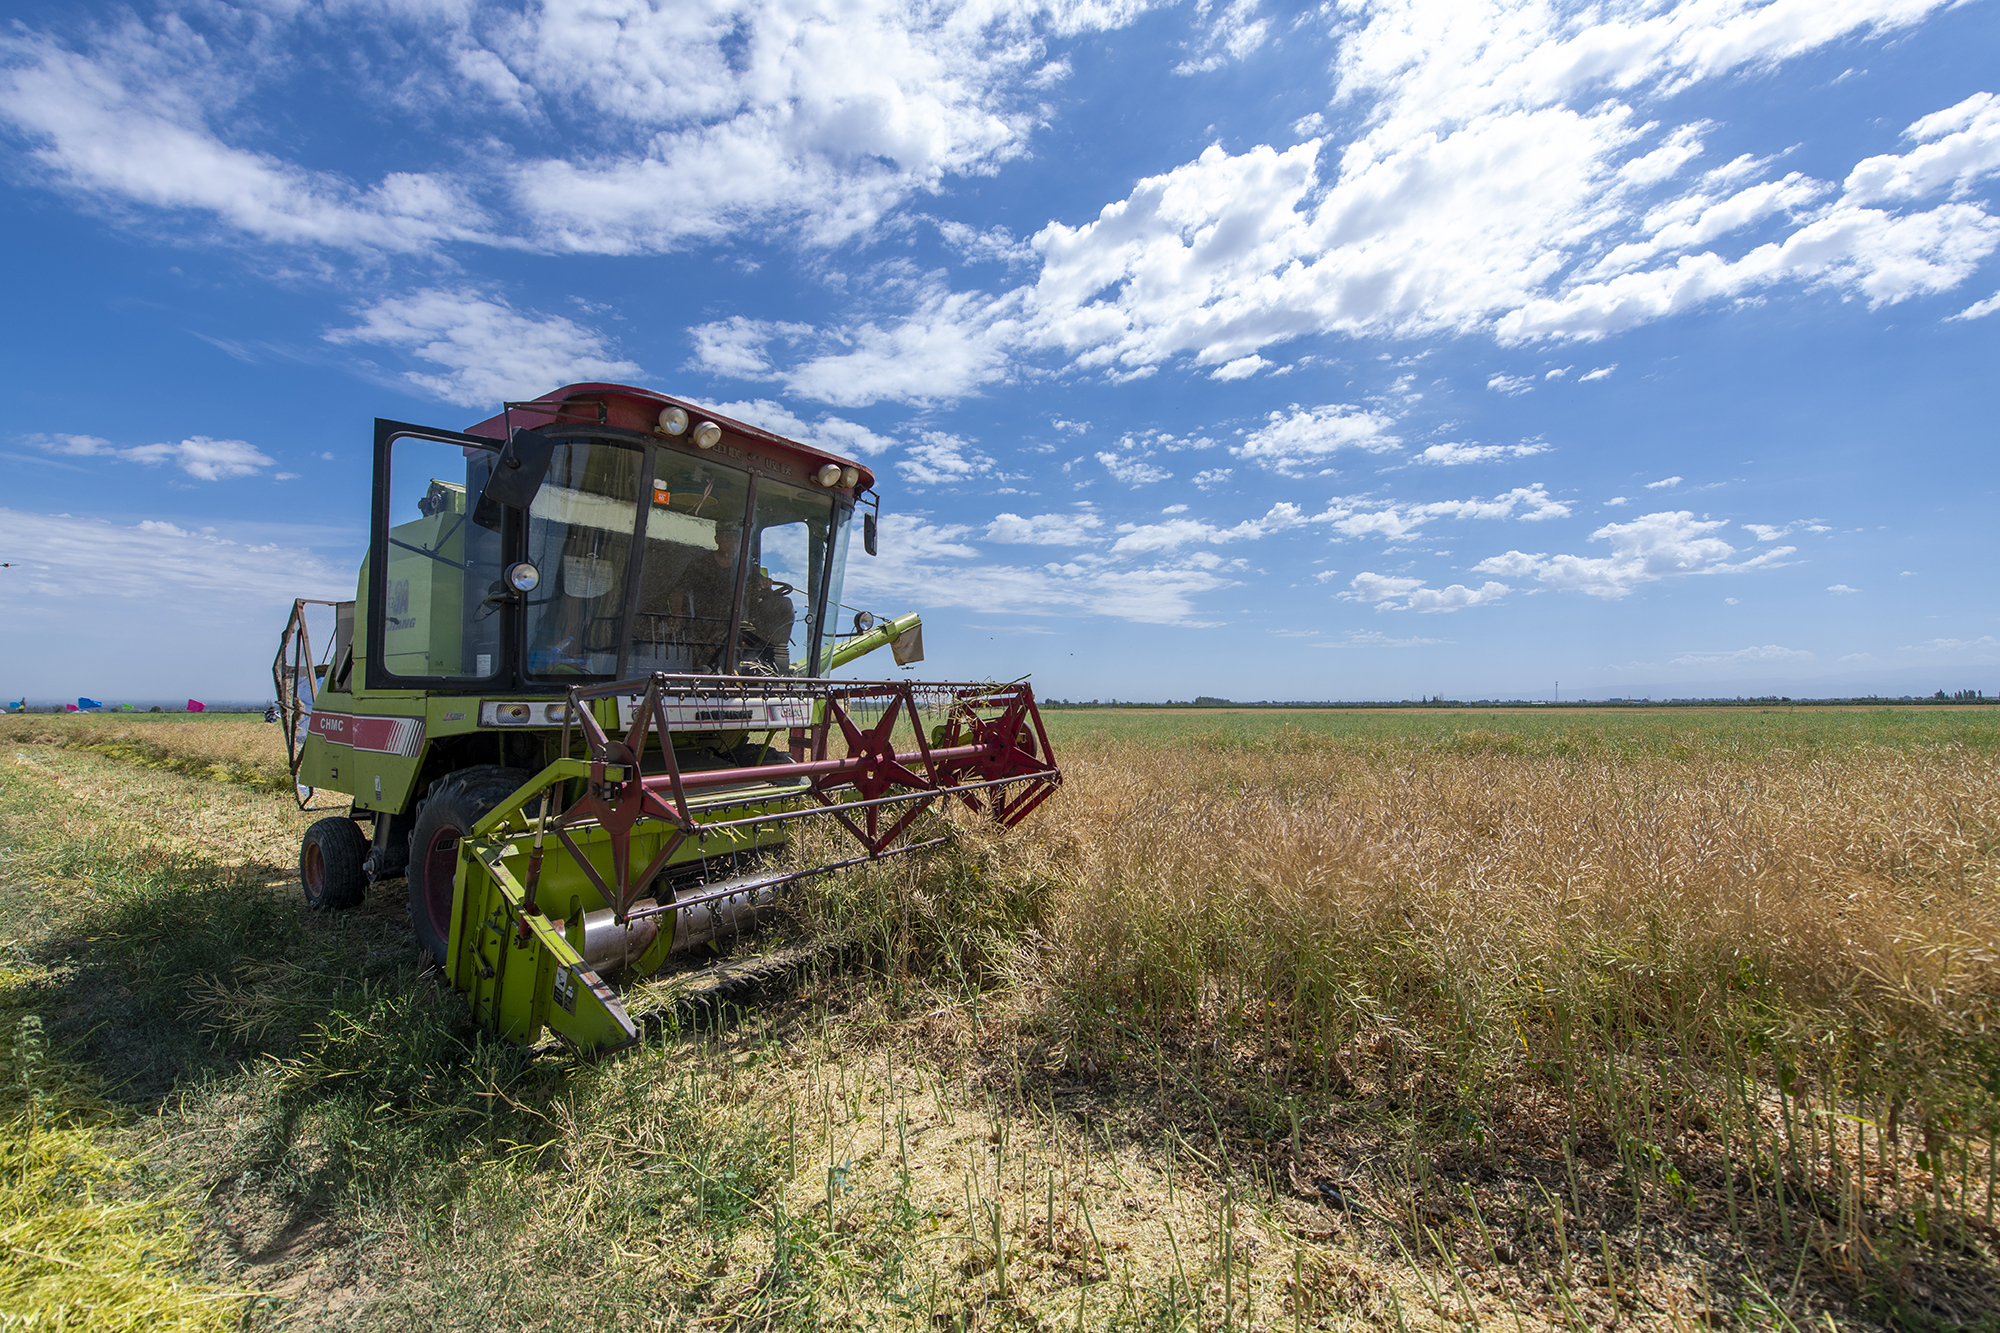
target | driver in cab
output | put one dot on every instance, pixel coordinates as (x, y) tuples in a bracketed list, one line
[(707, 589)]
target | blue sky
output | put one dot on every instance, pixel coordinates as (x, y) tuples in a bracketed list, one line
[(1371, 350)]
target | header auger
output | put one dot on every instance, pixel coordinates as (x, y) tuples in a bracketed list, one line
[(577, 706)]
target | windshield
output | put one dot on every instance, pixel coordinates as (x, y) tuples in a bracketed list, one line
[(704, 578), (580, 538)]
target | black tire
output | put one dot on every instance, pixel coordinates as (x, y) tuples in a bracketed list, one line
[(330, 857), (447, 814)]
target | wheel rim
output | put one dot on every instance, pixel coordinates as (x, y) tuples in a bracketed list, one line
[(312, 870), (440, 865)]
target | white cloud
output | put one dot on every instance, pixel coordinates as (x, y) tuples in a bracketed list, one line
[(1649, 548), (1209, 478), (941, 459), (1950, 645), (1044, 529), (1765, 532), (1131, 470), (1457, 597), (1233, 33), (1964, 147), (1601, 373), (1385, 590), (1840, 588), (949, 344), (1769, 652), (1511, 385), (1664, 482), (1499, 164), (925, 567), (488, 352), (1369, 638), (1178, 532), (677, 122), (131, 120), (1619, 500), (156, 562), (1452, 455), (1241, 368), (831, 433), (199, 456), (995, 244), (1292, 439), (1979, 309), (1370, 587), (1358, 516)]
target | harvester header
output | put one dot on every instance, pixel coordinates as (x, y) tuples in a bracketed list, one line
[(581, 699)]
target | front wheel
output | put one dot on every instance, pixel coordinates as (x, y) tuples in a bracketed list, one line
[(330, 871), (444, 818)]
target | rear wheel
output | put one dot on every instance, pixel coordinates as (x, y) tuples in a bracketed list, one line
[(330, 865), (454, 805)]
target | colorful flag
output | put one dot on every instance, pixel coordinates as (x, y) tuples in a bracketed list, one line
[(82, 702), (196, 705)]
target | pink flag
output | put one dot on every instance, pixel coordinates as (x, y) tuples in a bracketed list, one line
[(196, 705)]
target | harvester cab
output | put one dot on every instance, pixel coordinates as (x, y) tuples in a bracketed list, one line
[(582, 699)]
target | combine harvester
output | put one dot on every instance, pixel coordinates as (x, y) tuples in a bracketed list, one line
[(581, 699)]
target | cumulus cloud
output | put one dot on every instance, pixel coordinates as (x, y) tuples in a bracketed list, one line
[(678, 122), (1503, 185), (1655, 546), (1511, 385), (1358, 516), (1177, 532), (199, 456), (942, 459), (1453, 455), (834, 434), (487, 352), (1044, 529), (1840, 588), (1292, 439), (1132, 471), (1210, 478), (1393, 593), (926, 567)]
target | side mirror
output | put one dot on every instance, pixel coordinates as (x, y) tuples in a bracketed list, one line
[(868, 533), (518, 472)]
